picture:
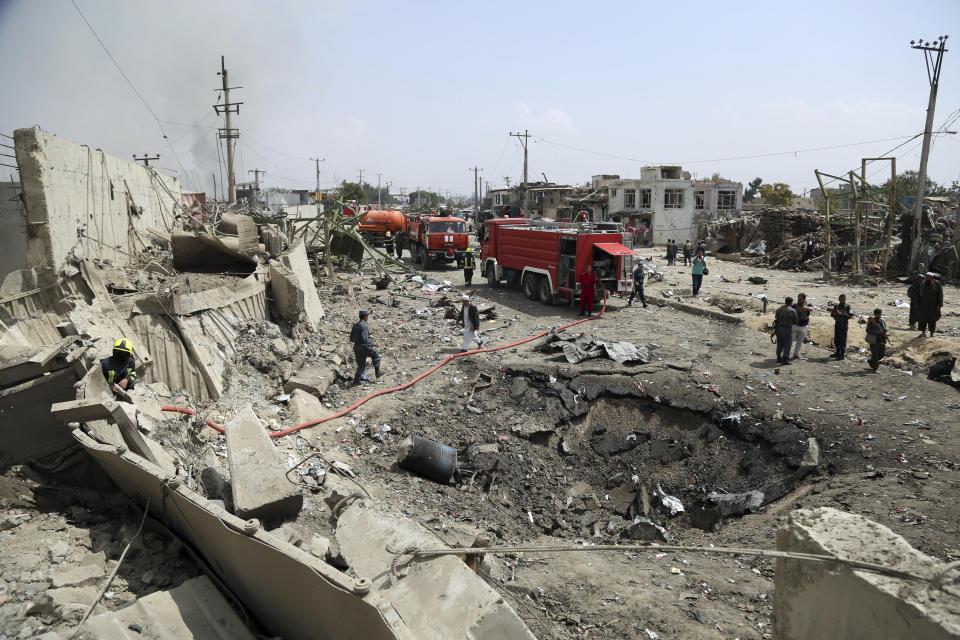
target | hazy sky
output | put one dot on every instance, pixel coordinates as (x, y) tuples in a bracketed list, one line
[(421, 91)]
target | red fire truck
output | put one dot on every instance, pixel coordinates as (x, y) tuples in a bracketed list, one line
[(545, 259), (433, 238)]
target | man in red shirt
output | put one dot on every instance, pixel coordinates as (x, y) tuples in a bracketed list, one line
[(588, 282)]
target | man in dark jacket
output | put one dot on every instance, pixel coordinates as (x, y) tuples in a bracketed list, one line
[(913, 293), (929, 303), (638, 277), (119, 369), (783, 321), (876, 338), (841, 320), (363, 348), (687, 252)]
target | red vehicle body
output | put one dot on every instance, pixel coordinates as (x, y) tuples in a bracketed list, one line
[(432, 239), (546, 259)]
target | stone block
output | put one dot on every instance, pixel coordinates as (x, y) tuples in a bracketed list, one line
[(315, 380), (257, 471), (76, 576), (822, 600)]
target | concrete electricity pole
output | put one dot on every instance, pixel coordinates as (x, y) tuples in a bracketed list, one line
[(933, 54), (145, 159), (327, 258), (361, 178), (256, 176), (524, 139), (379, 207), (228, 133), (476, 193)]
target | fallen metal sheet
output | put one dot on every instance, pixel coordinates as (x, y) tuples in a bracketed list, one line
[(290, 592), (194, 610), (27, 429)]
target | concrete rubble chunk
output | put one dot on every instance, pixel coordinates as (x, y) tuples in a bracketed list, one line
[(305, 406), (294, 293), (76, 576), (72, 599), (438, 598), (811, 457), (257, 471), (819, 600), (194, 610), (314, 380)]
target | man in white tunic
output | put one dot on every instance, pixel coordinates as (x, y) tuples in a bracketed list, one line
[(469, 317)]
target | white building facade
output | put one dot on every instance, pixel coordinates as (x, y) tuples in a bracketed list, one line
[(660, 200)]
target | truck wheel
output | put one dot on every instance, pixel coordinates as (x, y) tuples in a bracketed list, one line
[(543, 291), (492, 276), (530, 286)]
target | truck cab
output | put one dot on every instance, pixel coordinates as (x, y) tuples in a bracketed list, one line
[(435, 239)]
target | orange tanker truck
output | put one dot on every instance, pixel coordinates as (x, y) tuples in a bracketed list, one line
[(374, 225)]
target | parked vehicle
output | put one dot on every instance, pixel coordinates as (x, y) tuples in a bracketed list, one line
[(375, 224), (433, 238), (546, 258)]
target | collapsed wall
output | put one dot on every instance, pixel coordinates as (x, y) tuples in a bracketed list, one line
[(13, 229), (87, 201)]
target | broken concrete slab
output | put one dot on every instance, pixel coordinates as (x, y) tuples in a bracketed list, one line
[(289, 591), (76, 576), (439, 597), (72, 599), (193, 610), (314, 380), (294, 293), (305, 407), (258, 472), (822, 600), (201, 250)]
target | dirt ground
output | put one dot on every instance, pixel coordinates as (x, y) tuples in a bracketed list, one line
[(570, 454), (888, 442)]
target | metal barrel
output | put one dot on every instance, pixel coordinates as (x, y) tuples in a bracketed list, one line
[(427, 458)]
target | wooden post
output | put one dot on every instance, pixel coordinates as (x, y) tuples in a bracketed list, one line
[(893, 217), (856, 223), (826, 201)]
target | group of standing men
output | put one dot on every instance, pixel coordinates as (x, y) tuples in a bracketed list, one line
[(926, 299), (673, 251)]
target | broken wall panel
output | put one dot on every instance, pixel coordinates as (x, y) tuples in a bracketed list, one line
[(27, 429), (172, 362), (87, 201), (290, 593), (13, 230)]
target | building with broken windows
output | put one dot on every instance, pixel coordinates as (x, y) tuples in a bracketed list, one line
[(717, 198), (661, 200)]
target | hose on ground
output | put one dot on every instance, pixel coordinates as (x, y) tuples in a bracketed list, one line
[(405, 385)]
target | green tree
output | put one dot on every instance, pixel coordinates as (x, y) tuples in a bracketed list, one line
[(352, 191), (753, 187), (425, 199), (777, 194), (907, 186)]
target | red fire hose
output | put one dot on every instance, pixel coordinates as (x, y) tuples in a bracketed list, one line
[(381, 392)]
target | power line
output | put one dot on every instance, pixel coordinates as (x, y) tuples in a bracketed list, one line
[(142, 99)]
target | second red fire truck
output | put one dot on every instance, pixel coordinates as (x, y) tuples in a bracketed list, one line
[(546, 259)]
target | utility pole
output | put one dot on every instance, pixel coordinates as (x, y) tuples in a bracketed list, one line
[(361, 178), (933, 55), (227, 132), (327, 258), (476, 190), (379, 206), (256, 176), (524, 139), (145, 159)]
